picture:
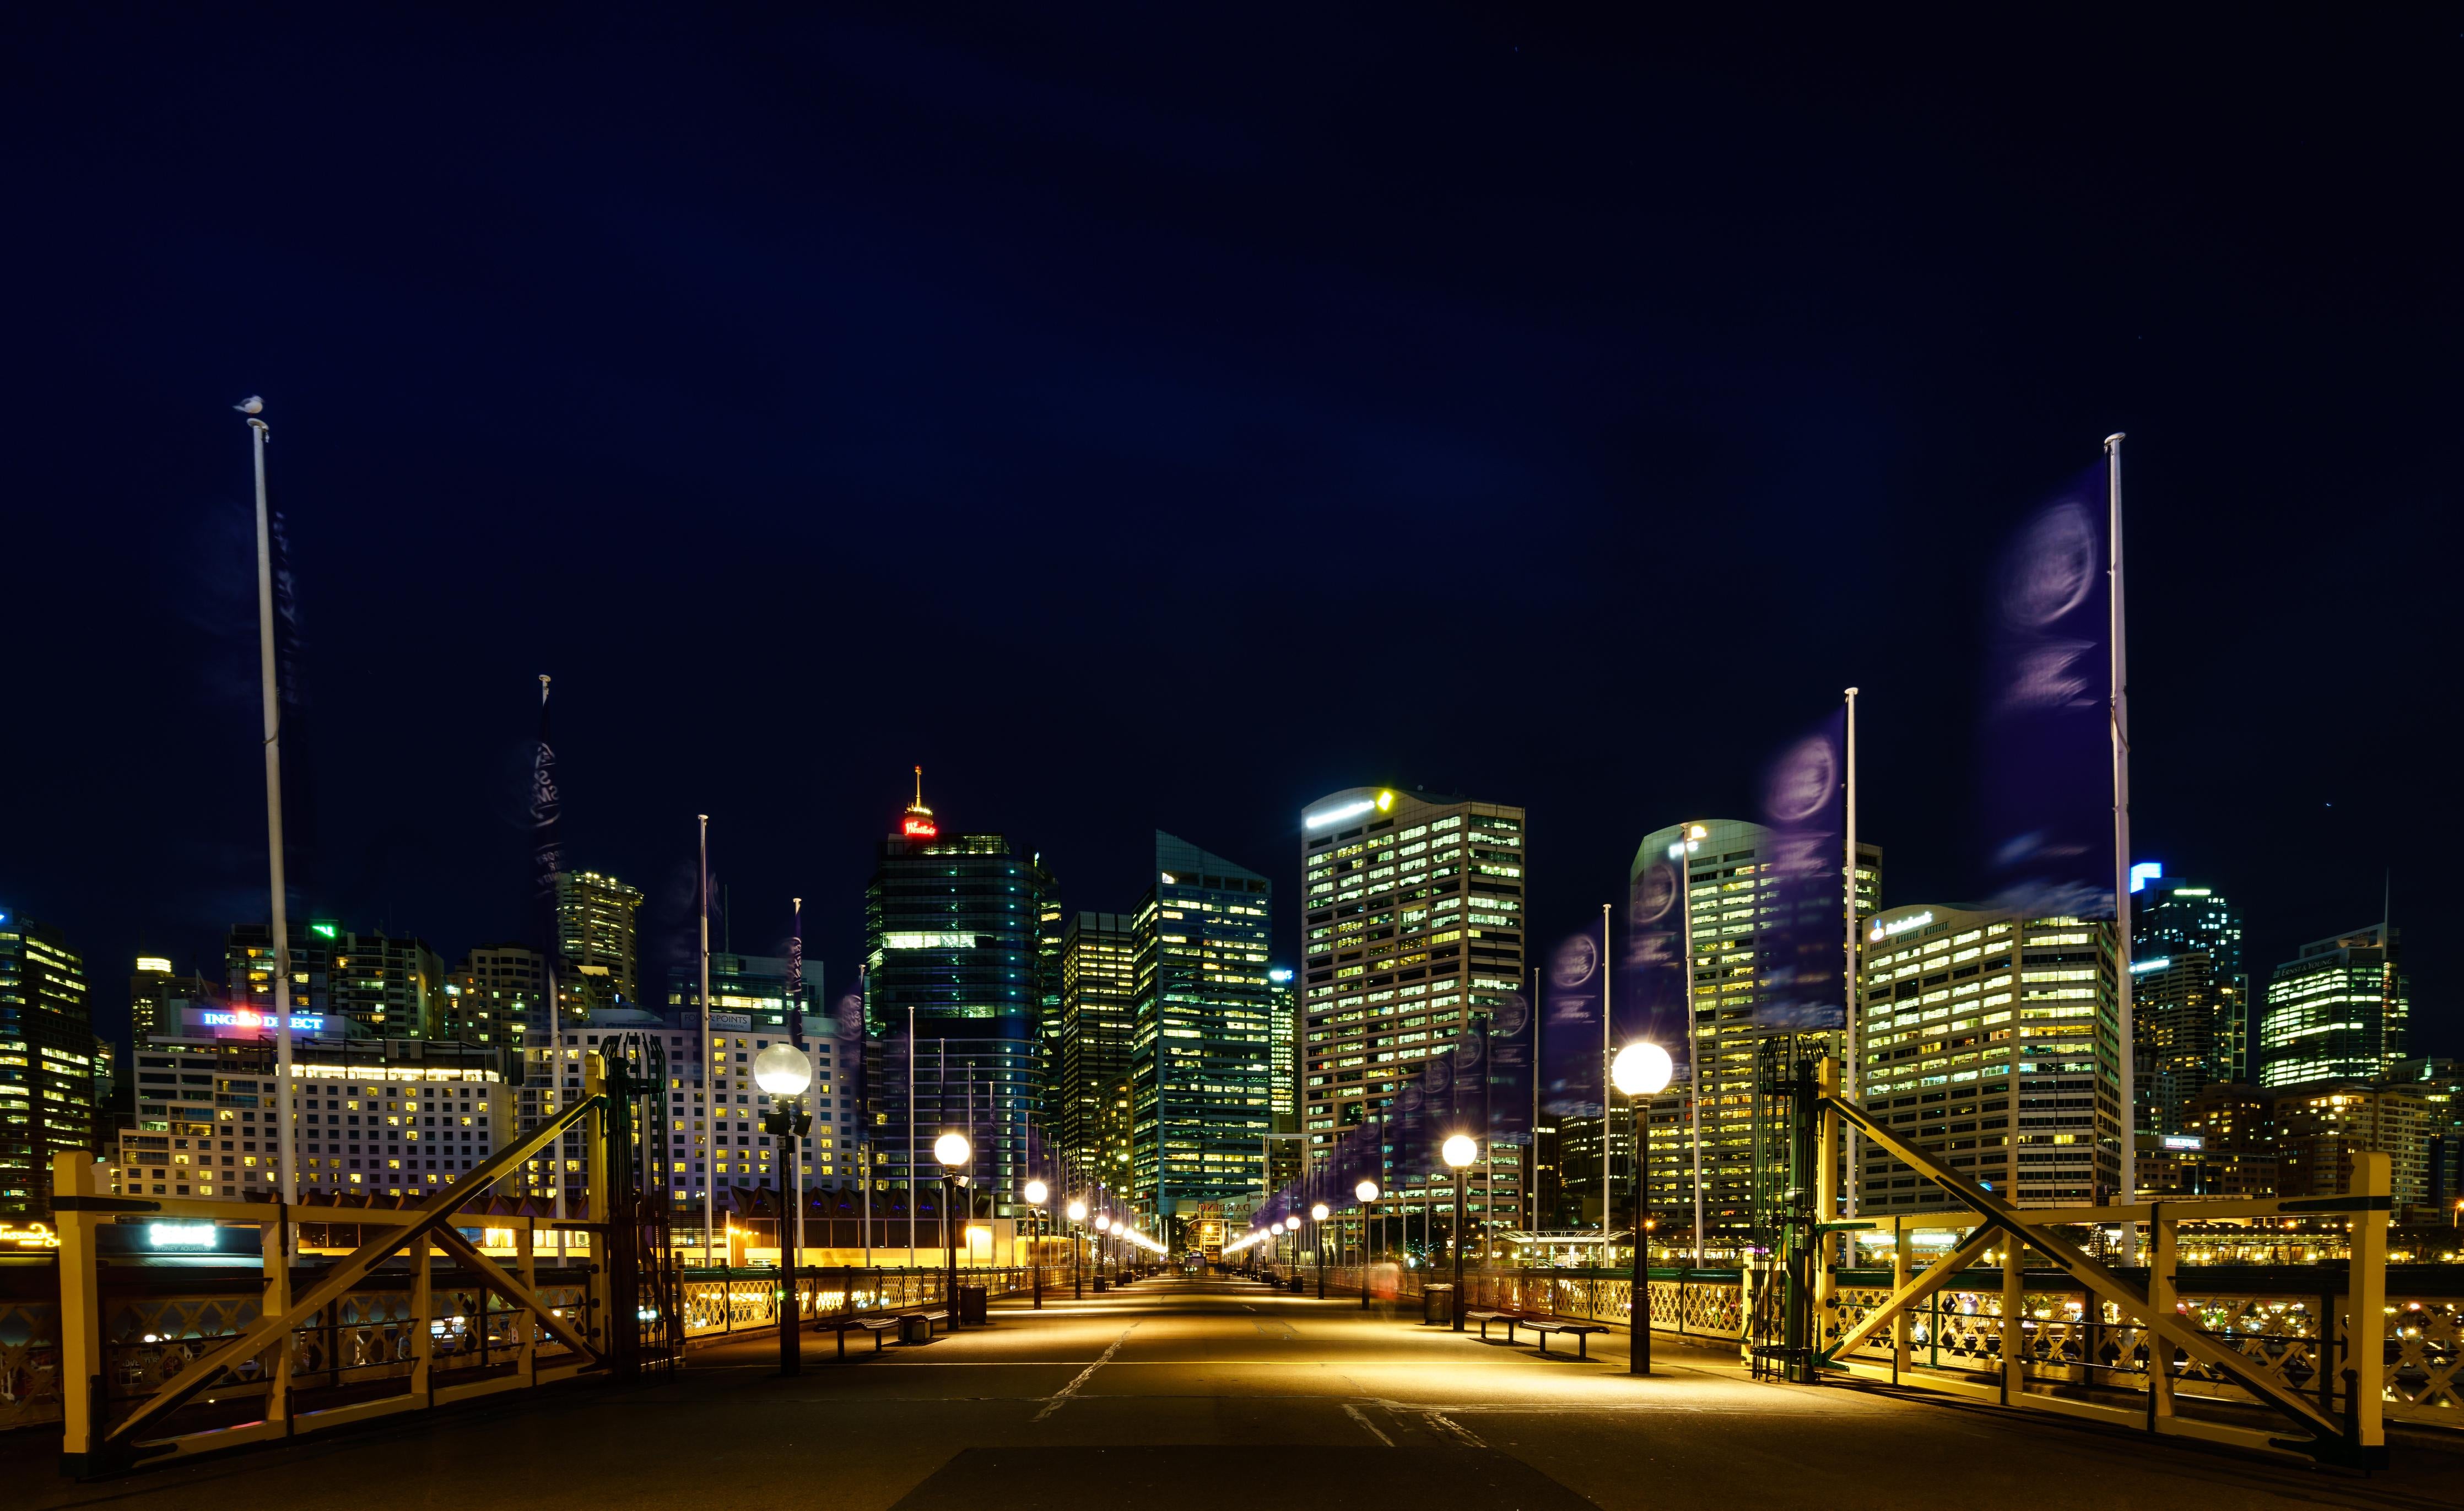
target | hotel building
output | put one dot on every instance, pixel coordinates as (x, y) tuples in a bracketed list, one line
[(2337, 1011)]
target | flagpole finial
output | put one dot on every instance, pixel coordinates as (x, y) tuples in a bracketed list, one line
[(1850, 692), (2115, 440), (799, 904)]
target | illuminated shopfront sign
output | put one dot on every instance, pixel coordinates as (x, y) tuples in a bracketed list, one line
[(1900, 926), (179, 1236)]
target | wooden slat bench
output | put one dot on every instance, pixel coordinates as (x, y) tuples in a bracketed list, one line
[(1581, 1331)]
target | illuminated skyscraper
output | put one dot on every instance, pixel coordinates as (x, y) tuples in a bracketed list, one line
[(46, 1062), (1202, 1043), (1099, 999), (2337, 1011), (1413, 926), (1994, 1043), (394, 989), (1725, 862), (594, 927), (953, 932), (2170, 916), (1283, 1076), (2180, 1016), (156, 996)]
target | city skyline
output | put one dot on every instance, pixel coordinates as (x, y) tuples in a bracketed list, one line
[(1128, 397)]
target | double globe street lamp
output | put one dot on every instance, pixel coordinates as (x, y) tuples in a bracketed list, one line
[(783, 1072), (1641, 1071)]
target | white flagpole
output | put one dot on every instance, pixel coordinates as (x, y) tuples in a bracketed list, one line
[(1685, 858), (2120, 724), (1608, 1188), (910, 1137), (555, 1045), (286, 1147), (1848, 1057), (709, 1139)]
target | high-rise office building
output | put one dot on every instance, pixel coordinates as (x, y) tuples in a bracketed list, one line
[(2173, 916), (1049, 1112), (156, 996), (1726, 858), (393, 989), (46, 1061), (1283, 1037), (1099, 999), (1413, 926), (1992, 1043), (1201, 1047), (2181, 1015), (954, 994), (2337, 1011), (594, 927), (492, 993)]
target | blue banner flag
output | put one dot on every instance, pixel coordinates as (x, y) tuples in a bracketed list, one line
[(1572, 1071), (1653, 1001), (2047, 783), (1803, 953), (1511, 1030)]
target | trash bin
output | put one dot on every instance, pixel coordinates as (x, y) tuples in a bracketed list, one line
[(1437, 1304), (1300, 1284), (915, 1327), (1099, 1286), (971, 1305)]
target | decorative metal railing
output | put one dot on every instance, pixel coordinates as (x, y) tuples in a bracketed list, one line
[(2271, 1315)]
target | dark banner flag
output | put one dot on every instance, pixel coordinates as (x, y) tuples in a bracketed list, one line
[(1572, 1071), (547, 843), (1653, 1002), (2048, 744), (1440, 1121), (796, 977), (1510, 1032), (1802, 952), (1411, 1131)]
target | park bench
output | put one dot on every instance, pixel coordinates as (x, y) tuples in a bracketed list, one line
[(1581, 1331), (1511, 1320)]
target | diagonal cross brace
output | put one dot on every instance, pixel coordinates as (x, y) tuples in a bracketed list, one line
[(2102, 1282), (512, 1289), (1935, 1276), (436, 1213)]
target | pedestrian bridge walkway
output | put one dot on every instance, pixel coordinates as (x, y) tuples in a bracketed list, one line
[(1218, 1390)]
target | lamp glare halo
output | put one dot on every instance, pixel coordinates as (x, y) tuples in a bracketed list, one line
[(953, 1149), (782, 1071), (1460, 1151), (1641, 1070)]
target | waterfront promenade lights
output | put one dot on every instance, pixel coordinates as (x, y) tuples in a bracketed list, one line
[(1367, 1191), (783, 1072), (1038, 1196), (1460, 1151), (1317, 1216), (1641, 1071), (1077, 1214), (953, 1151)]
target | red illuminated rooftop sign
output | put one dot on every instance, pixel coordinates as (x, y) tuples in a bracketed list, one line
[(920, 827)]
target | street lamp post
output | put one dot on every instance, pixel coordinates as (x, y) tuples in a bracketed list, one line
[(1317, 1226), (1641, 1071), (1367, 1191), (1460, 1151), (1037, 1193), (1077, 1215), (784, 1071), (953, 1151)]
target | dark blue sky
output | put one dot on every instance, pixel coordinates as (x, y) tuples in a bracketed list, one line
[(1085, 405)]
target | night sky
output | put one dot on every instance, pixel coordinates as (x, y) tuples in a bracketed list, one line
[(1089, 406)]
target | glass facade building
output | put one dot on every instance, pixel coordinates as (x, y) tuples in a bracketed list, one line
[(1202, 1045), (1099, 1001), (954, 999), (393, 989), (47, 1058), (2337, 1011), (594, 930), (2173, 916)]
